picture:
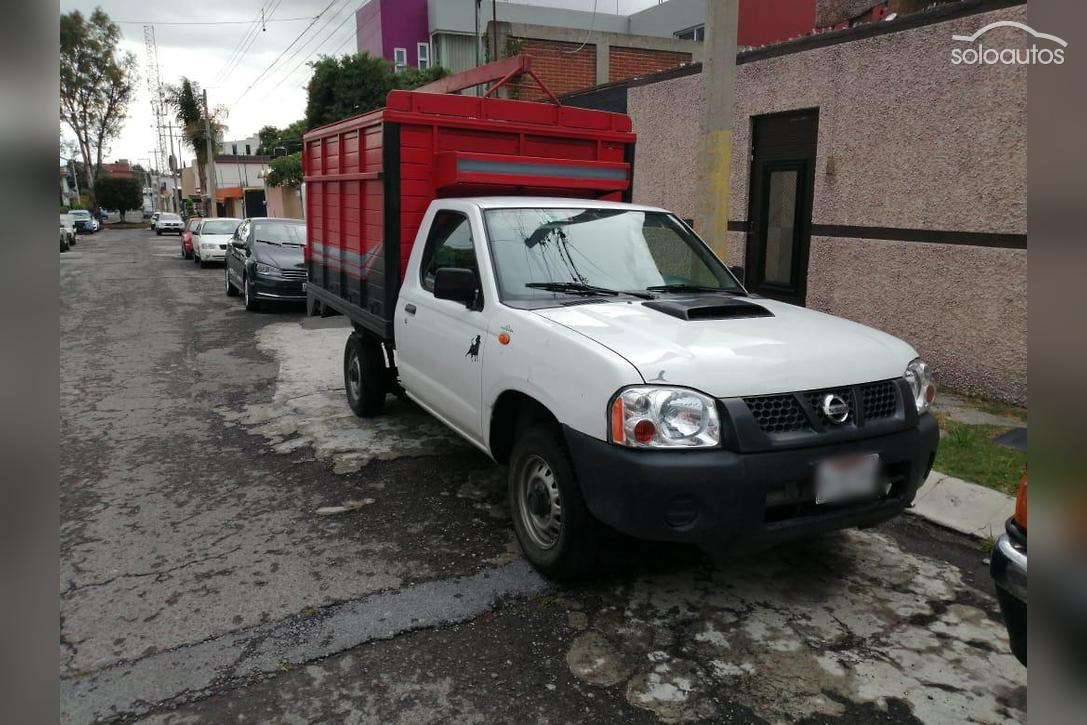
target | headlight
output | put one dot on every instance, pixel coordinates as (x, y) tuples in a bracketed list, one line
[(919, 376), (648, 416), (267, 270)]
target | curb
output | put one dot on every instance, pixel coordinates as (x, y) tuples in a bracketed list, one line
[(962, 506)]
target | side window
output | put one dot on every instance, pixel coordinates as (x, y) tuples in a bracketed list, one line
[(449, 244)]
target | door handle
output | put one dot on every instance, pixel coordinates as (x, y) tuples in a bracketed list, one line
[(409, 308)]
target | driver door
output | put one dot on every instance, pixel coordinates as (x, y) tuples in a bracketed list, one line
[(441, 343)]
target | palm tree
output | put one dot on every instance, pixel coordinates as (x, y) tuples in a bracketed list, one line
[(185, 98)]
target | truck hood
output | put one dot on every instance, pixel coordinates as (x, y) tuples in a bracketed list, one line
[(792, 348)]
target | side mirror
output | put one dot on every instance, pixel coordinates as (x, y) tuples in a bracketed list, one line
[(738, 270), (240, 244), (457, 284)]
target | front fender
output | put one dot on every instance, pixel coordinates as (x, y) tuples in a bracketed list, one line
[(571, 375)]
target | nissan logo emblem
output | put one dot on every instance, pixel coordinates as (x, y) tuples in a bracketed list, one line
[(835, 408)]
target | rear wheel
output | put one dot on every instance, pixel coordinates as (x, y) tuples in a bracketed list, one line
[(364, 375), (557, 534)]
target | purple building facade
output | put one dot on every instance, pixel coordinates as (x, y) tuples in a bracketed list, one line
[(397, 30)]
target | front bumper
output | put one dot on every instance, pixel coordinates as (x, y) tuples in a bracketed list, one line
[(277, 288), (741, 501), (1008, 566), (212, 255)]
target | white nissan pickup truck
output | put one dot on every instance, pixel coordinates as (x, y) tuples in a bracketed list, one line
[(628, 380)]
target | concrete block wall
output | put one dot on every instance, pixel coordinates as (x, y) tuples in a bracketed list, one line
[(906, 140)]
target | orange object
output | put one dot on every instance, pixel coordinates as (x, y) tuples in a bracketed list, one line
[(504, 339), (1021, 503), (617, 433)]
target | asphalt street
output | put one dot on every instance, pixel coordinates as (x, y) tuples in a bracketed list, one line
[(200, 583)]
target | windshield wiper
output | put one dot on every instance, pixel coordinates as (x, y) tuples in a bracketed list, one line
[(578, 288), (681, 287), (265, 241)]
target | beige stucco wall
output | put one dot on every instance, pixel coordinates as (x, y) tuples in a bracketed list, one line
[(916, 143)]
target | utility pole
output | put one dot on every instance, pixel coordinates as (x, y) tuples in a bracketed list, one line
[(494, 29), (719, 90), (209, 171)]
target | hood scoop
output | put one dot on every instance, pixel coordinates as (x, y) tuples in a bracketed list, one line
[(706, 307)]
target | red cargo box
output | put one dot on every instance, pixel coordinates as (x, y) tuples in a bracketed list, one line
[(369, 180)]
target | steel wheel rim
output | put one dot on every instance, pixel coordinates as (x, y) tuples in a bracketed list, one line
[(539, 502), (354, 377)]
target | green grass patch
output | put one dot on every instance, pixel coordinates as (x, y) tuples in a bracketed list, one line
[(968, 452)]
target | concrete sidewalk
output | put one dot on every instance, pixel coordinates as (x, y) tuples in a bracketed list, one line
[(962, 506)]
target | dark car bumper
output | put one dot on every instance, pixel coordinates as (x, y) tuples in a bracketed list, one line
[(1008, 565), (284, 290), (741, 501)]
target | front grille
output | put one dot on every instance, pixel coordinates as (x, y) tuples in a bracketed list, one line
[(294, 273), (879, 400), (803, 411), (815, 400), (778, 413)]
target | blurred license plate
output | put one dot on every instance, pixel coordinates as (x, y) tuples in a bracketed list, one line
[(846, 478)]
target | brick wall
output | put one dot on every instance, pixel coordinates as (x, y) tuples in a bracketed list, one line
[(559, 67), (626, 63)]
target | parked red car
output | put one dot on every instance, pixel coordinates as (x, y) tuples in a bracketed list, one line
[(186, 236)]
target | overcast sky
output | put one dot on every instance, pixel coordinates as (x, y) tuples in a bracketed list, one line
[(204, 54)]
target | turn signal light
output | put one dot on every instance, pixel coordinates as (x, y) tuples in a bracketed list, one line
[(1021, 503)]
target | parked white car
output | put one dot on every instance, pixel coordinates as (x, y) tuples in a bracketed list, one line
[(67, 226), (210, 241), (169, 223)]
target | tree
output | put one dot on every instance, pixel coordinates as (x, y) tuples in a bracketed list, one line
[(289, 138), (188, 104), (119, 193), (96, 85), (353, 84), (285, 171)]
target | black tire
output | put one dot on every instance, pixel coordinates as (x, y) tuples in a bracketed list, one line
[(364, 376), (573, 553), (158, 232), (195, 259), (231, 290), (251, 302), (202, 263)]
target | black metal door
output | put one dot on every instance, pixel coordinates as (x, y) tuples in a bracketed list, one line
[(780, 205), (255, 203)]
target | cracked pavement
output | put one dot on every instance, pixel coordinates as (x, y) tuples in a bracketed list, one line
[(199, 585)]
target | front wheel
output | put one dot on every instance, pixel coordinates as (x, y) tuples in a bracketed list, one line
[(250, 295), (231, 290), (557, 534), (364, 375)]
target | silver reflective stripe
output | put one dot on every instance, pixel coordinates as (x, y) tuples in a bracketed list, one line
[(530, 169)]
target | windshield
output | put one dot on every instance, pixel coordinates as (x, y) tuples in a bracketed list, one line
[(219, 226), (287, 234), (169, 218), (80, 213), (610, 249)]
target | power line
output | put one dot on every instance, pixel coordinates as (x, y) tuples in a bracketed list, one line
[(350, 14), (211, 22), (293, 43), (247, 41)]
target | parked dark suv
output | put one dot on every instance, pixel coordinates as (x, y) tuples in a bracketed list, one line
[(265, 261)]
